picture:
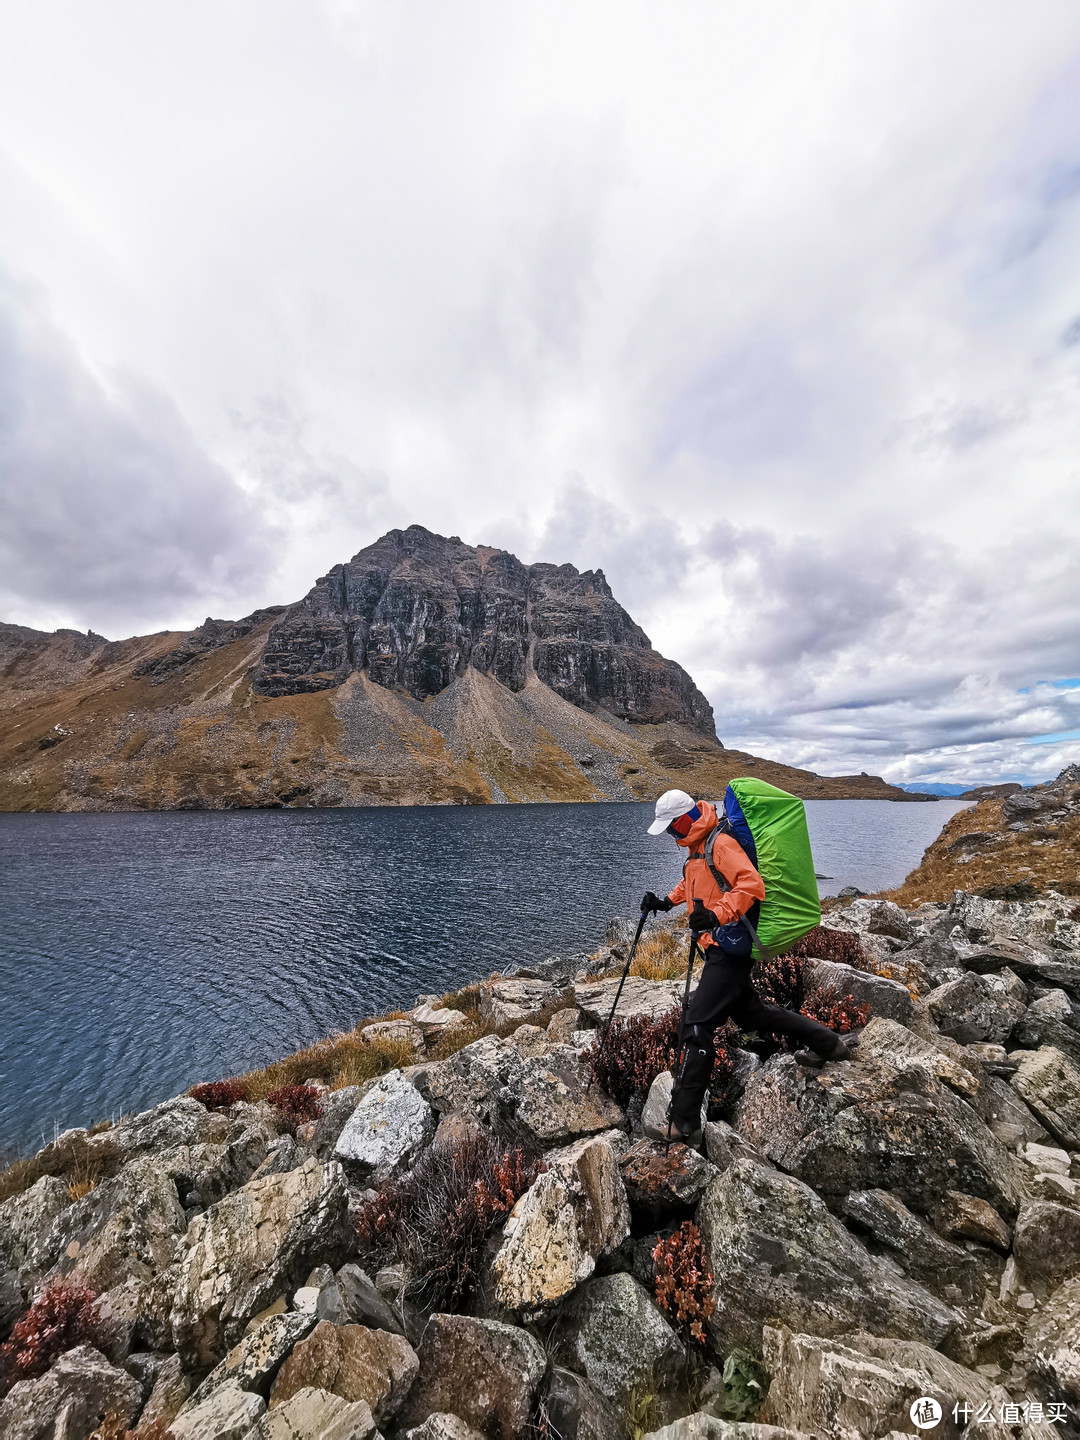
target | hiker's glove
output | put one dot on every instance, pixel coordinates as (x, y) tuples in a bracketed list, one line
[(650, 903), (702, 920)]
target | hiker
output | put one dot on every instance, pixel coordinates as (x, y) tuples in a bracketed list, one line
[(725, 988)]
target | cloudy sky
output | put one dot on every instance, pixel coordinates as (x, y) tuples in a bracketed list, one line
[(770, 311)]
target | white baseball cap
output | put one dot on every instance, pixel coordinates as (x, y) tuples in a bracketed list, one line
[(670, 806)]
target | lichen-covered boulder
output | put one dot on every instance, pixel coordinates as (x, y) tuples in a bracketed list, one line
[(386, 1131), (353, 1362), (884, 997), (574, 1212), (442, 1426), (970, 1009), (505, 1002), (1049, 1083), (400, 1029), (1046, 1243), (776, 1251), (884, 1123), (863, 1386), (484, 1372), (255, 1245), (180, 1121), (948, 1270), (661, 1178), (656, 1112), (613, 1333), (701, 1425), (1050, 1348), (314, 1414), (25, 1218), (1008, 1116), (253, 1362), (873, 917), (70, 1399), (227, 1414), (125, 1228)]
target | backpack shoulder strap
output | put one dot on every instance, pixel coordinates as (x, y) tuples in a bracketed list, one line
[(724, 828)]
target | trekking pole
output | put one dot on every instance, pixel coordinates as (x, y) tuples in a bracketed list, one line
[(682, 1025), (622, 981)]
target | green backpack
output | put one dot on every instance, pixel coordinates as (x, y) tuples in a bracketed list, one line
[(770, 825)]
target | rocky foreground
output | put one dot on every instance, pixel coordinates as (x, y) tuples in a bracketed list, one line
[(902, 1225)]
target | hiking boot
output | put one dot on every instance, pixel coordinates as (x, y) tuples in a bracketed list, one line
[(671, 1134), (841, 1049)]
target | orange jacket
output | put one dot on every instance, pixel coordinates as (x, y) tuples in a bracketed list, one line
[(730, 859)]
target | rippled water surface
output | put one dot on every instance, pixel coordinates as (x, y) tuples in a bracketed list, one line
[(139, 953)]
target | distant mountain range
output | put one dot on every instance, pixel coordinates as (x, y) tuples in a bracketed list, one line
[(965, 792), (423, 671)]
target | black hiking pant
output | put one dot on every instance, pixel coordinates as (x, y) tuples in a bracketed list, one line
[(726, 991)]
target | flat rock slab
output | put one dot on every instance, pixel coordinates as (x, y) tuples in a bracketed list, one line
[(482, 1371), (352, 1362), (648, 998), (506, 1002), (386, 1131), (253, 1246), (776, 1251), (1049, 1083), (614, 1334), (315, 1413), (572, 1214), (863, 1386), (227, 1414)]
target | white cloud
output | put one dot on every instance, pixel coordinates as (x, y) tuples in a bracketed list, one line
[(768, 311)]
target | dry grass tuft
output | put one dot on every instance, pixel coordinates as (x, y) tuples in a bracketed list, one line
[(337, 1061), (78, 1159)]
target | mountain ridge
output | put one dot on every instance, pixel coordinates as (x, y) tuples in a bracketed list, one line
[(421, 671)]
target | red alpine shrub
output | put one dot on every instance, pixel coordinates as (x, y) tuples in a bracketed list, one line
[(62, 1317), (436, 1217), (821, 943), (783, 981), (638, 1050), (219, 1094), (296, 1104), (684, 1283), (839, 1012)]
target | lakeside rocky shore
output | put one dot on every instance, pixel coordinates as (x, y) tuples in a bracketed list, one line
[(479, 1242)]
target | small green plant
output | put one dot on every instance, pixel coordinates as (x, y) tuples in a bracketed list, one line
[(639, 1413), (745, 1384)]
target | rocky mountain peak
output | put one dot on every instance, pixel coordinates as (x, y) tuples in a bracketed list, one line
[(415, 610)]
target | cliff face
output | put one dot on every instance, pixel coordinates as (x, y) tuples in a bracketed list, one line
[(423, 672), (416, 611)]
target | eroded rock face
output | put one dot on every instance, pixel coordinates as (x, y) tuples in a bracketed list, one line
[(415, 610), (1046, 1242), (1051, 1343), (353, 1362), (71, 1399), (573, 1213), (1049, 1083), (386, 1131), (253, 1246), (862, 1386), (775, 1249), (947, 1269), (484, 1372), (613, 1333)]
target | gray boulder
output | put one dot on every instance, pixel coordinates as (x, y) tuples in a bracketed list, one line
[(71, 1399), (316, 1415), (484, 1372), (386, 1131), (862, 1386), (1050, 1350), (613, 1333), (508, 1002), (336, 1109), (775, 1250), (1049, 1083), (651, 998), (885, 997), (180, 1121), (362, 1302), (724, 1145), (1008, 1116), (253, 1246), (227, 1414), (948, 1270), (873, 917), (971, 1009), (1046, 1243), (578, 1411), (26, 1217), (888, 1124), (704, 1426), (442, 1426), (575, 1211)]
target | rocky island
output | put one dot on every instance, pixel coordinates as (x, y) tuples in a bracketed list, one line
[(447, 1225), (423, 671)]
